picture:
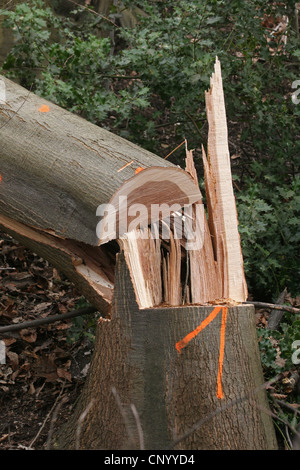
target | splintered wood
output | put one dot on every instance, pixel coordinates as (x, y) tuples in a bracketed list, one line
[(143, 257), (222, 208), (208, 267), (205, 282)]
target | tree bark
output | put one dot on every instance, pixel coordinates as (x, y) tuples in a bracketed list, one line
[(136, 363)]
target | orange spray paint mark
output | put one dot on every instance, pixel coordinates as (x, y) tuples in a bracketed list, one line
[(221, 353), (0, 178), (185, 341), (138, 170), (44, 108), (182, 343)]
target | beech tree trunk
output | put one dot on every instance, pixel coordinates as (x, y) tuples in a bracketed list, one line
[(136, 366)]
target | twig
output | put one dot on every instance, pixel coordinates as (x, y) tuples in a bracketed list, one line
[(287, 406), (275, 306), (281, 420), (4, 8), (123, 413), (288, 436), (50, 319), (125, 166), (47, 417), (16, 112), (80, 421), (175, 149), (194, 123), (95, 13), (138, 425)]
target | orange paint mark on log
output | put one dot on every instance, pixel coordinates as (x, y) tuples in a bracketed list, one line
[(0, 178), (138, 170), (44, 108)]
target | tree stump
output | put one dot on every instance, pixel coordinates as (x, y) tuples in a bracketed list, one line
[(141, 393)]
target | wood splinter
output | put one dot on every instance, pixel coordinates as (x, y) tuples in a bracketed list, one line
[(215, 261)]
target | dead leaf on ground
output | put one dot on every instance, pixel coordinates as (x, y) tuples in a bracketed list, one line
[(41, 307), (64, 374), (8, 341), (29, 335), (45, 367), (13, 358)]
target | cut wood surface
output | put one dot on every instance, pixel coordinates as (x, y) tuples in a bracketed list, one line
[(205, 277), (143, 256), (146, 192)]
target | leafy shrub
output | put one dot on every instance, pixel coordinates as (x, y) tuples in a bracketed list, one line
[(270, 235), (83, 326), (276, 347)]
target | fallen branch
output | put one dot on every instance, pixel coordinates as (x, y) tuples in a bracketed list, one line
[(275, 306), (45, 321)]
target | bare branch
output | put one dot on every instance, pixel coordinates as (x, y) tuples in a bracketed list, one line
[(47, 320), (275, 306)]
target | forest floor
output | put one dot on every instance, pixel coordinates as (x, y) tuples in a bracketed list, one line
[(42, 377), (45, 366)]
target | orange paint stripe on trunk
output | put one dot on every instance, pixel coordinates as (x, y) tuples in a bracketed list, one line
[(221, 354), (182, 343)]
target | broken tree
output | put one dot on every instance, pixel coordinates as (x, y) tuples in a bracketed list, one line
[(176, 359)]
